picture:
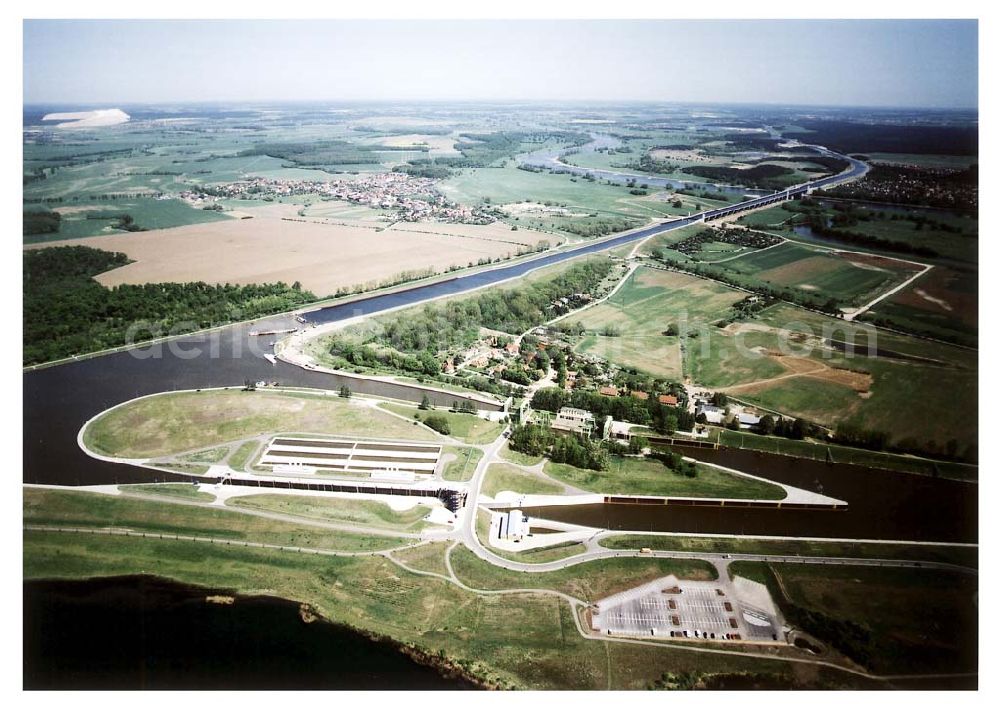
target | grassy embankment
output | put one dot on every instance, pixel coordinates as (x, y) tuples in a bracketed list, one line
[(518, 457), (368, 513), (588, 581), (843, 454), (963, 556), (170, 489), (522, 641), (179, 422), (58, 508), (643, 476)]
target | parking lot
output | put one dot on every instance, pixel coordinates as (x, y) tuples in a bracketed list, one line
[(669, 608)]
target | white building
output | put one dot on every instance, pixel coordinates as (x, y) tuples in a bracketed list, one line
[(513, 525)]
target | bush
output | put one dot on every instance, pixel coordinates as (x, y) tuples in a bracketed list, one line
[(438, 423)]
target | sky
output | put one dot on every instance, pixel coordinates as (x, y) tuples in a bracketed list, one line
[(893, 63)]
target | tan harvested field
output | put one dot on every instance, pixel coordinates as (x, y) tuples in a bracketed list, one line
[(272, 210), (323, 257), (436, 143)]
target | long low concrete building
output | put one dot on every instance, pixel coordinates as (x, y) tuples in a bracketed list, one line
[(403, 461)]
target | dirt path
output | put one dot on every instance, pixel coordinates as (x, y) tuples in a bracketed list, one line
[(808, 367)]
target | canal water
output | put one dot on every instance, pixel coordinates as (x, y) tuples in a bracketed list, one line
[(882, 504), (146, 633)]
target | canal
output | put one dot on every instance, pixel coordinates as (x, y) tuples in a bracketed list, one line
[(882, 504)]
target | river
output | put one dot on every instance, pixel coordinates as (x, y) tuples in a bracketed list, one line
[(149, 633)]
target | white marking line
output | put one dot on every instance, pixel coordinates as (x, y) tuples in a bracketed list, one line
[(851, 315)]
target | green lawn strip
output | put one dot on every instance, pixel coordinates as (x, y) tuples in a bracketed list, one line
[(176, 422), (963, 556), (212, 455), (61, 508), (500, 476), (428, 557), (242, 454), (890, 620), (371, 513), (464, 426), (512, 641), (588, 581), (540, 555), (170, 489), (187, 468), (644, 476), (465, 460), (844, 454), (518, 457)]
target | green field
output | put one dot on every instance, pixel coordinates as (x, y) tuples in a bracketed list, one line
[(931, 625), (464, 426), (943, 303), (500, 477), (641, 476), (427, 557), (899, 388), (370, 513), (732, 356), (578, 197), (642, 309), (820, 273), (178, 422), (957, 244), (588, 581), (461, 468), (946, 161), (77, 222)]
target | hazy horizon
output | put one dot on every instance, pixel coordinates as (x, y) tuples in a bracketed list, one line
[(904, 64)]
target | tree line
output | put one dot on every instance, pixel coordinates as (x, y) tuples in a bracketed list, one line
[(66, 312)]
